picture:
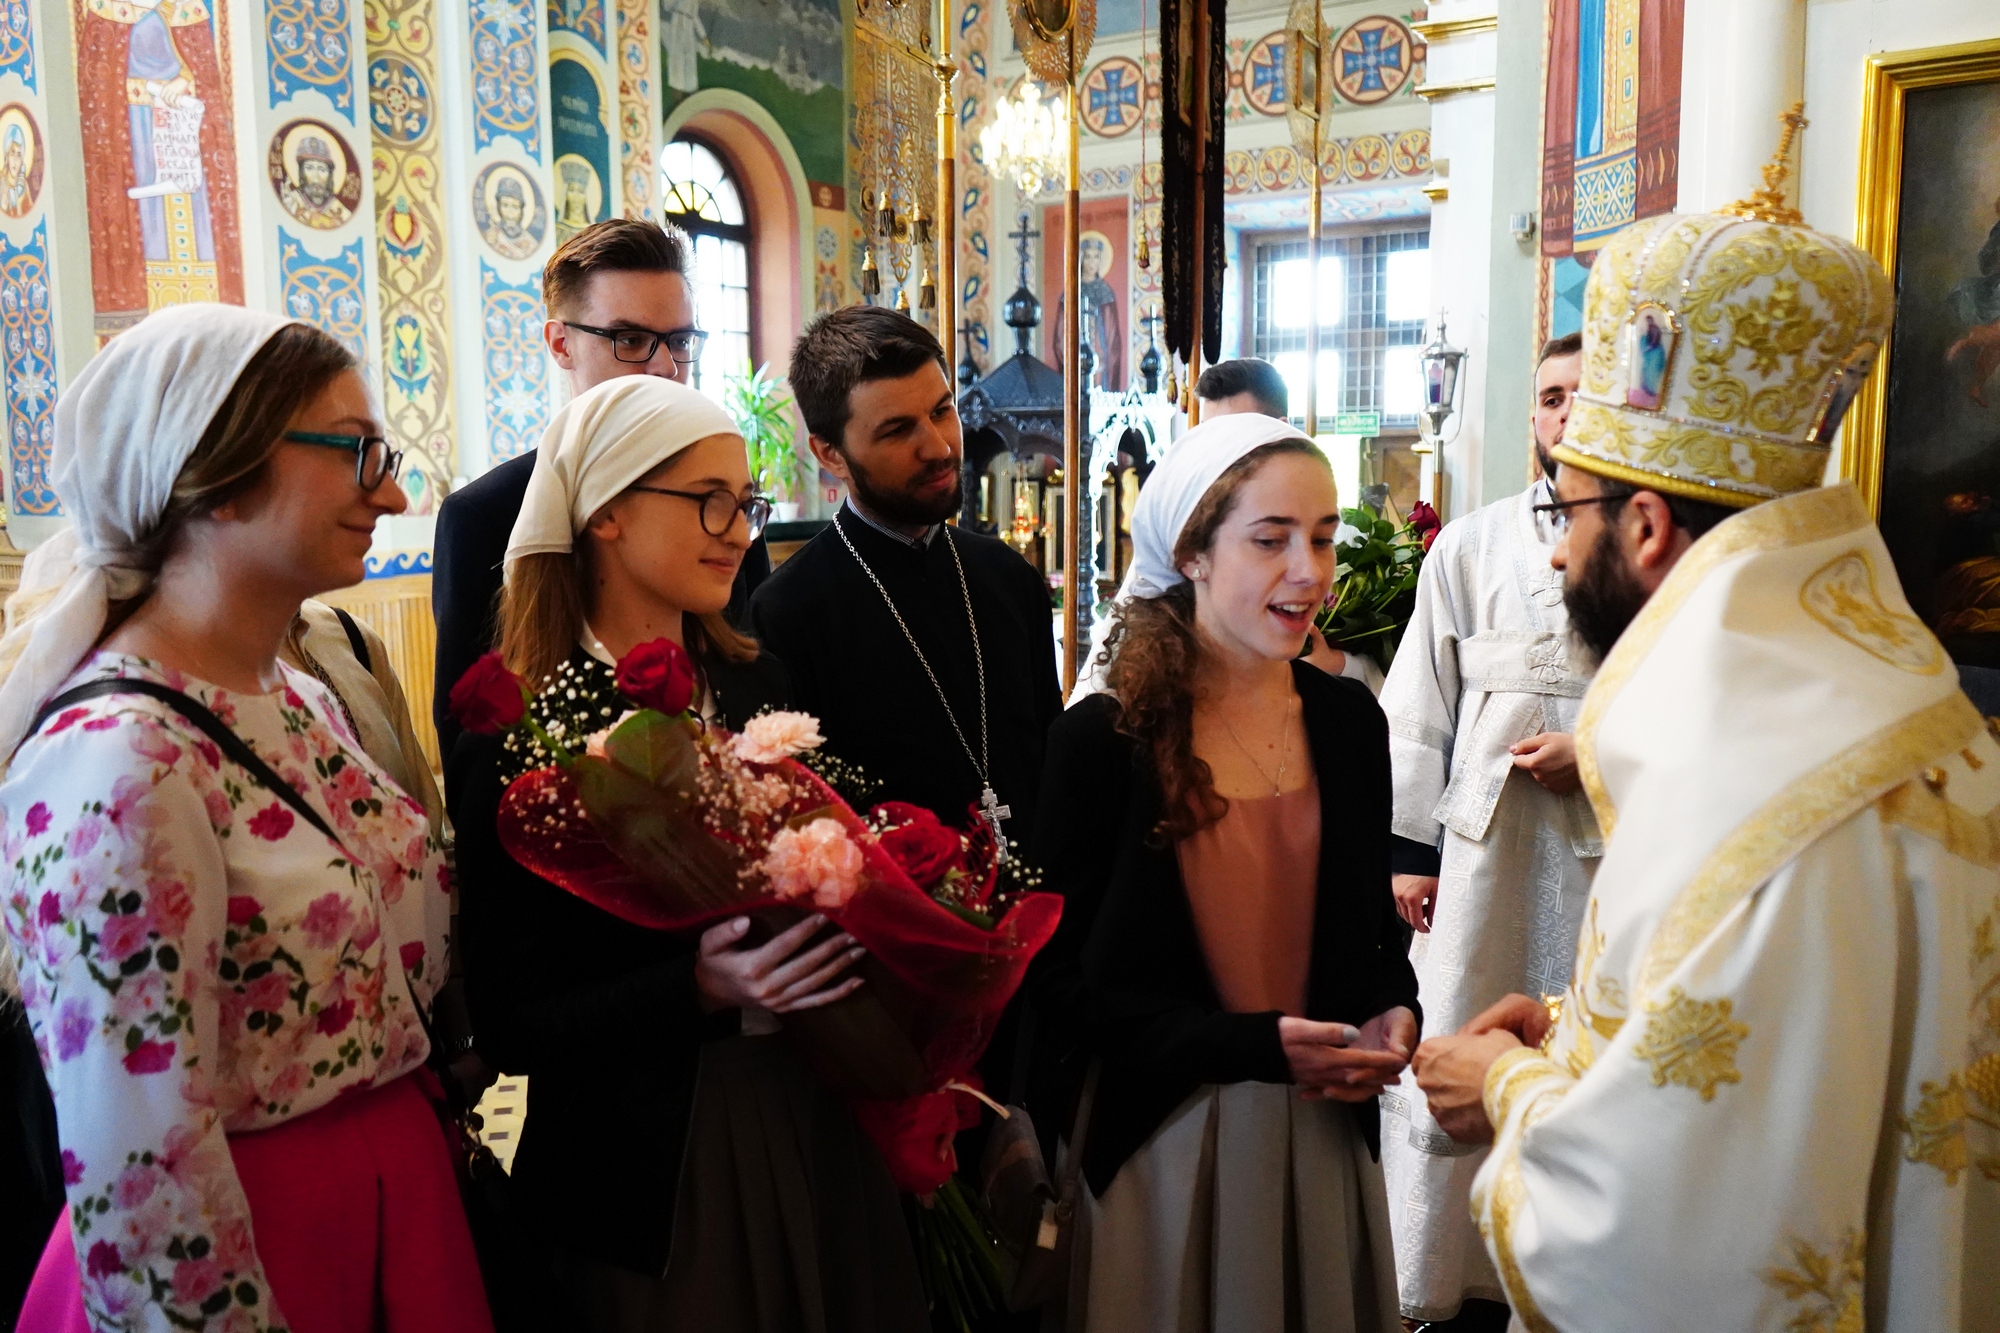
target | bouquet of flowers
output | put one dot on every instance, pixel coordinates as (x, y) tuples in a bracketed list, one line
[(672, 824), (1375, 583)]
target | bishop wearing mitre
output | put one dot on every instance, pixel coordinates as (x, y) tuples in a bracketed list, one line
[(1771, 1098)]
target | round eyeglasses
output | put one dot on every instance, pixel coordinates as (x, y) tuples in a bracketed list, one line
[(374, 460), (638, 345), (720, 508), (1552, 520)]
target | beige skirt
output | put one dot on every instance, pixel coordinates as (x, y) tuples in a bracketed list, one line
[(1248, 1211)]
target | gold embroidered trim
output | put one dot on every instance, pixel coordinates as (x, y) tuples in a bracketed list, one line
[(1505, 1205), (1692, 1042), (1825, 1290), (1969, 837), (1809, 516), (1844, 596), (1509, 1076), (1789, 821)]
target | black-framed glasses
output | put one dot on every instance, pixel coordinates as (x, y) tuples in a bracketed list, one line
[(720, 508), (374, 460), (1554, 516), (638, 345)]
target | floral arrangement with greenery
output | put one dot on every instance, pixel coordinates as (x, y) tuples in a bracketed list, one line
[(1375, 583)]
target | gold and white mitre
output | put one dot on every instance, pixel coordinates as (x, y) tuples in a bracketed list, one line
[(1771, 1100), (1721, 350)]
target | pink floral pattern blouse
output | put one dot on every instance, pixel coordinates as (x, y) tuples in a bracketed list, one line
[(198, 961)]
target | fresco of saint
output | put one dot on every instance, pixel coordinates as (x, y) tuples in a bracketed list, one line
[(162, 196)]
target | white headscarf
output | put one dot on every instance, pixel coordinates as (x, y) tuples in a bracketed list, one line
[(124, 429), (604, 440), (1166, 502)]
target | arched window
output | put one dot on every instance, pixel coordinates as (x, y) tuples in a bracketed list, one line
[(702, 199)]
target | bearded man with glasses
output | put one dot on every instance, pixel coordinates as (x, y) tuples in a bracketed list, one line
[(619, 303), (1494, 842)]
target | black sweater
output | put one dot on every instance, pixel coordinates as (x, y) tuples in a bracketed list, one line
[(851, 667), (601, 1015), (1125, 978)]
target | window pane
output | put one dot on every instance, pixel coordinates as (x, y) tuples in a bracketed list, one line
[(1292, 365), (1402, 380), (728, 206), (1289, 281), (1409, 281)]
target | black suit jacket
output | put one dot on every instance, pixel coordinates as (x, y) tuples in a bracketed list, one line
[(473, 526), (1125, 978), (601, 1015)]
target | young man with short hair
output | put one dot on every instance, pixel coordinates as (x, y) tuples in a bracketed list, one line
[(1244, 385), (926, 651), (1481, 700), (619, 303)]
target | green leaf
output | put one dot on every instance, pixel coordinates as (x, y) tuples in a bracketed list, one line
[(658, 748)]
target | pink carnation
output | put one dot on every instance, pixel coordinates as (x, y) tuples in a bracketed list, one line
[(819, 860), (772, 737)]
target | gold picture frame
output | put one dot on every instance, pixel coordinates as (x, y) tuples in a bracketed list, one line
[(1888, 80)]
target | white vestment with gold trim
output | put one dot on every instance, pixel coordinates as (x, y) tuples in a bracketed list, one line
[(1772, 1099), (1484, 663)]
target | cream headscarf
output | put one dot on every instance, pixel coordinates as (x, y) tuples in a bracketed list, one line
[(124, 429), (604, 440), (1166, 502)]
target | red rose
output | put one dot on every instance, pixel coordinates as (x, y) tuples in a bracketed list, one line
[(915, 1136), (658, 675), (488, 697), (1423, 519), (920, 843)]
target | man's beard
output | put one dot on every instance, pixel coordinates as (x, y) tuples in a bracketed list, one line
[(906, 507), (1604, 598), (1547, 462)]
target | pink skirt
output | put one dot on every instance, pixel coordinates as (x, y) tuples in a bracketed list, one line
[(357, 1221)]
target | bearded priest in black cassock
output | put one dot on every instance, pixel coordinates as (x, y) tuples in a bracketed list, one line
[(874, 618)]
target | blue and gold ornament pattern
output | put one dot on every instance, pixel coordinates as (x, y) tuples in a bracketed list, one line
[(29, 343), (309, 47)]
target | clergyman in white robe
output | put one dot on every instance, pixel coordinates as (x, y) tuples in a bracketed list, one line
[(1772, 1099), (1485, 663)]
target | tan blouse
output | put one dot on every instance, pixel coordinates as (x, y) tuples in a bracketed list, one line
[(1252, 880)]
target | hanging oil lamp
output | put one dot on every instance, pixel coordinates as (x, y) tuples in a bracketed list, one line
[(1144, 254)]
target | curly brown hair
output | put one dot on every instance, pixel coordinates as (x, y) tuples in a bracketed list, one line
[(1153, 650)]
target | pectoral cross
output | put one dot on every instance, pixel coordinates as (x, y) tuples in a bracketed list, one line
[(993, 812)]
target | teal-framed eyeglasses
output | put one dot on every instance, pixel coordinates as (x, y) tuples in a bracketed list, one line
[(374, 460)]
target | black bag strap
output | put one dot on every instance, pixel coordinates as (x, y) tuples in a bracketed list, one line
[(230, 744), (209, 724), (355, 640)]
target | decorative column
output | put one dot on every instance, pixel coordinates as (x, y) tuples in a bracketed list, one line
[(1750, 72), (411, 247), (28, 314), (309, 215), (639, 108), (498, 167)]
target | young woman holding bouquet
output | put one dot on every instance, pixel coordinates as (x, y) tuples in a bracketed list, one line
[(1218, 823), (686, 1168), (228, 920)]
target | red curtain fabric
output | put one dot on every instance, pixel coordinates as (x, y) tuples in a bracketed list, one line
[(1559, 131), (1659, 155)]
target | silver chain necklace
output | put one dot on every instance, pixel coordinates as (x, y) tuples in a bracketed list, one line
[(990, 808)]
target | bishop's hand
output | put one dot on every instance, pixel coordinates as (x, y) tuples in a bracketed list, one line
[(1451, 1071)]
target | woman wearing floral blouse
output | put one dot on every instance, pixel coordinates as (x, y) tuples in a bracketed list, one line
[(226, 999)]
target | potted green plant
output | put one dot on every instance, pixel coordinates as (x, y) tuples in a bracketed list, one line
[(763, 412)]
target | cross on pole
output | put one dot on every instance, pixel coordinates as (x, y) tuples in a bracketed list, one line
[(1023, 234)]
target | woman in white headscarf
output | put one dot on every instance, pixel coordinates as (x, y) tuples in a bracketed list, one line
[(688, 1170), (1217, 820), (227, 918)]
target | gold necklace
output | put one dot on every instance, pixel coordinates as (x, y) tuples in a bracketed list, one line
[(1284, 751)]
